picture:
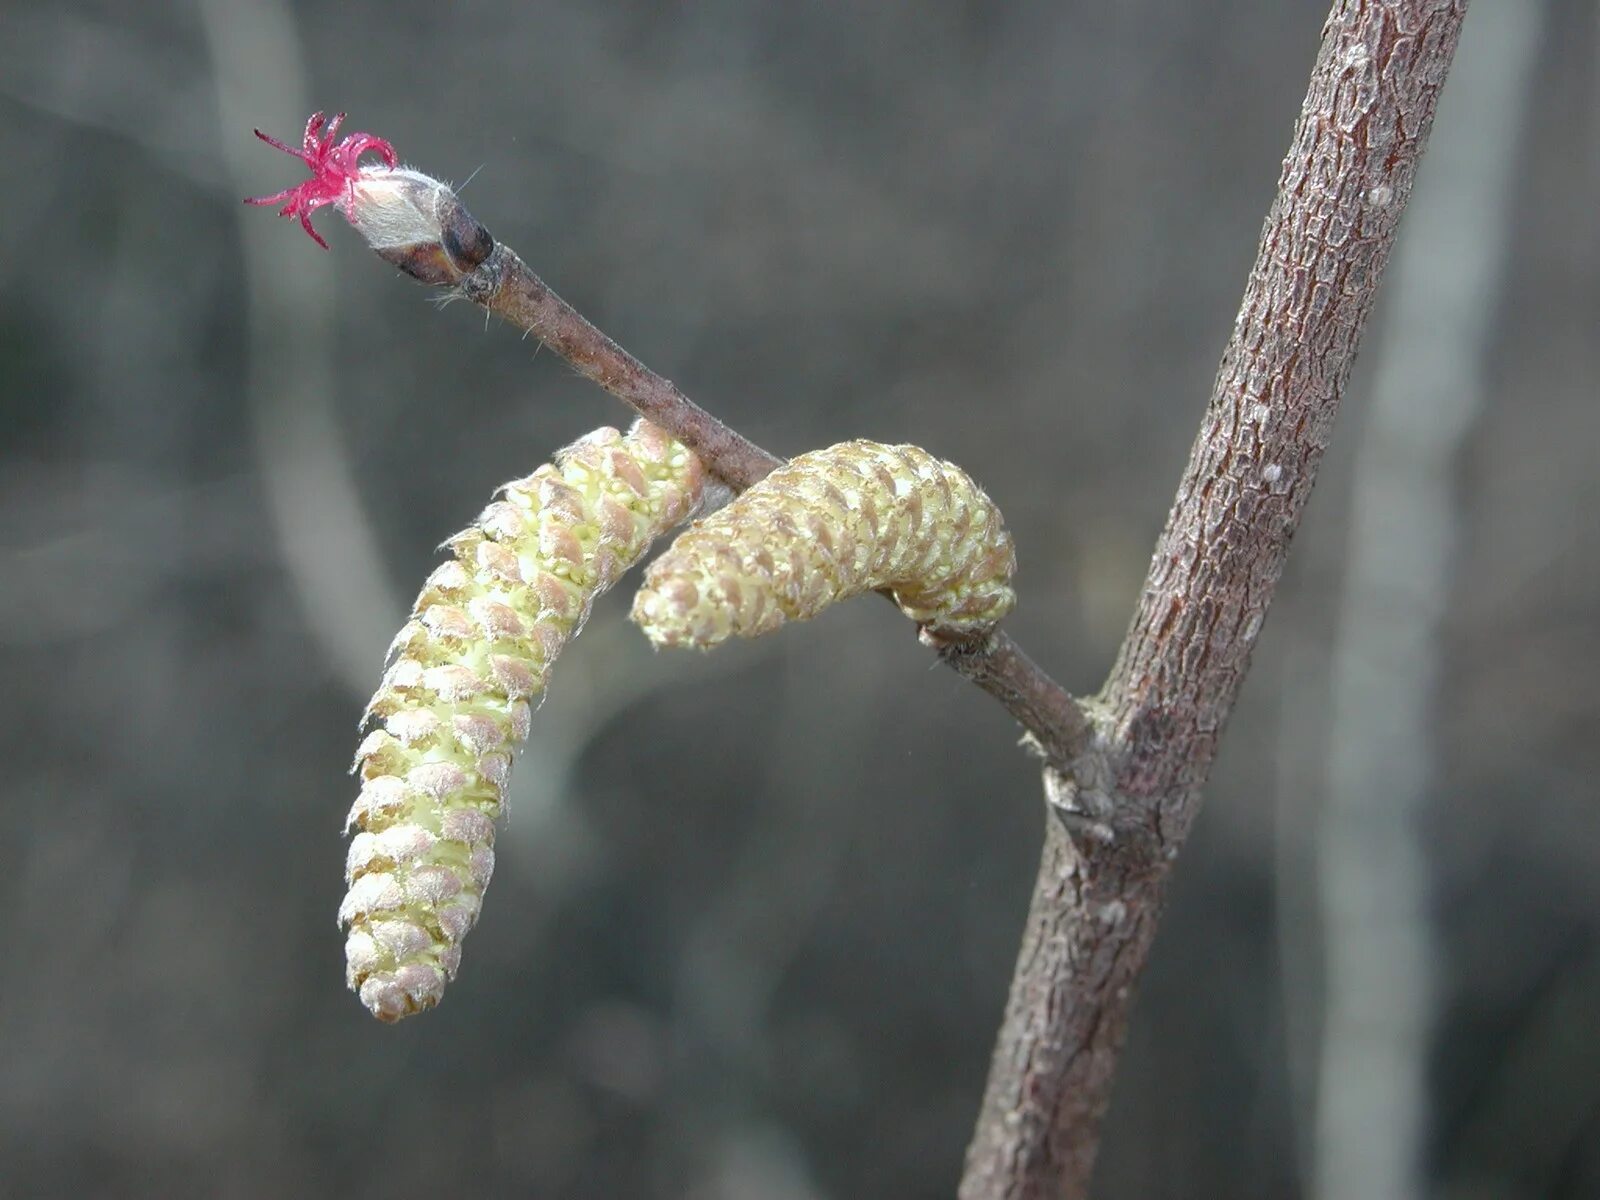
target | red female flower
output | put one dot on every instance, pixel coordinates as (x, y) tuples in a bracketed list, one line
[(335, 168)]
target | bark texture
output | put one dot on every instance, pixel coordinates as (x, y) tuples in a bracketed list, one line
[(1126, 805)]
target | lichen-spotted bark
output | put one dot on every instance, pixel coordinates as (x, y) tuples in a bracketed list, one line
[(458, 695), (829, 525), (1323, 248)]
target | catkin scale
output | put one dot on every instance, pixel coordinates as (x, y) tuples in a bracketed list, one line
[(828, 525), (457, 698)]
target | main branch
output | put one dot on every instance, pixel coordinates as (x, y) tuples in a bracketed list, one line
[(1127, 807)]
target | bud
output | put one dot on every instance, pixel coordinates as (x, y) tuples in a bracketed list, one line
[(417, 223), (457, 698), (832, 524)]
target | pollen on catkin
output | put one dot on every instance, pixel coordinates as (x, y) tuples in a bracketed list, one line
[(456, 700), (828, 525)]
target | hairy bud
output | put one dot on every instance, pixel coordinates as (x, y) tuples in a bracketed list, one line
[(829, 525), (417, 223), (458, 695)]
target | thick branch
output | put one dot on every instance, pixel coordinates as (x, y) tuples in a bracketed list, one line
[(1326, 240)]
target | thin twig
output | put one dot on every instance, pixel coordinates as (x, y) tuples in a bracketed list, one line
[(507, 287), (1326, 240), (1059, 722), (419, 224)]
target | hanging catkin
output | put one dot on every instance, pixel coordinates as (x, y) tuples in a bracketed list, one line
[(457, 697)]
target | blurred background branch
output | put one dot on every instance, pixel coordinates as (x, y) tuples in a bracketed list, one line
[(292, 374), (1374, 865)]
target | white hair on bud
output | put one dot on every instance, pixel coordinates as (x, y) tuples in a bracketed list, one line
[(398, 207)]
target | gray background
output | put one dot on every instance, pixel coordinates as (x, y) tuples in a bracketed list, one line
[(755, 912)]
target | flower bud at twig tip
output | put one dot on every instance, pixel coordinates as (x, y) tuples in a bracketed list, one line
[(411, 220)]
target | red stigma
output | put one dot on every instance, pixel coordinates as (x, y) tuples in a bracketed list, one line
[(334, 170)]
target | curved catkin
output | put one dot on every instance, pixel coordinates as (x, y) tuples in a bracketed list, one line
[(829, 525), (456, 700)]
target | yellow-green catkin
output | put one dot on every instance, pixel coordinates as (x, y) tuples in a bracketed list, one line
[(829, 525), (456, 700)]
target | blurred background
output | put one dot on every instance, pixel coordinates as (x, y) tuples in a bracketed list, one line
[(755, 912)]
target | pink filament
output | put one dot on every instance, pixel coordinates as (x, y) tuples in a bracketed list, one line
[(334, 170)]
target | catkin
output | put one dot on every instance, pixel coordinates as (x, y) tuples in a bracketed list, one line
[(458, 695), (829, 525)]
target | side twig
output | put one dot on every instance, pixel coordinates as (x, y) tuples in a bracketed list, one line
[(1098, 898), (508, 287), (1059, 723)]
